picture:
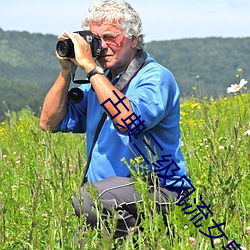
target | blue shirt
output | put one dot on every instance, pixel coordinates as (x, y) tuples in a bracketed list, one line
[(154, 96)]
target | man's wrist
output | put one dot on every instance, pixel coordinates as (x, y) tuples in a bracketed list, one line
[(96, 70), (65, 73)]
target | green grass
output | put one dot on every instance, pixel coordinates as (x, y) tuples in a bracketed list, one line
[(40, 172)]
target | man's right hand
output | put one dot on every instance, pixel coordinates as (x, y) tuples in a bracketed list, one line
[(66, 63)]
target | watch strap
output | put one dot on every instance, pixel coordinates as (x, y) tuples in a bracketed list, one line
[(93, 72)]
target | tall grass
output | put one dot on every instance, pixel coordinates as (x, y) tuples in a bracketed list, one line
[(40, 172)]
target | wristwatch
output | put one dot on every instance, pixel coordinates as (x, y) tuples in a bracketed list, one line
[(96, 70)]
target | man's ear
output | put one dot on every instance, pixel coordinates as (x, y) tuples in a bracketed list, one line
[(134, 42)]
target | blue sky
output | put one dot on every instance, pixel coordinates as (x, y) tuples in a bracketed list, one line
[(162, 19)]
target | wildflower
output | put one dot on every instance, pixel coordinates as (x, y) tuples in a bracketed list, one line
[(198, 182), (248, 230), (138, 159), (237, 87), (247, 133), (195, 106), (123, 160), (217, 241), (45, 216), (231, 244), (221, 147), (132, 162), (240, 70), (192, 240)]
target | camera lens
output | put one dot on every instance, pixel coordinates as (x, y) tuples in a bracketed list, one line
[(65, 48), (75, 95)]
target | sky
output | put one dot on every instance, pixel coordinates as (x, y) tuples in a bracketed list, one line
[(162, 19)]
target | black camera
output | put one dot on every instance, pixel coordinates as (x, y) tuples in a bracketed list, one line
[(65, 48)]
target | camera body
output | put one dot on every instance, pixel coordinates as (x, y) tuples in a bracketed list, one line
[(65, 48)]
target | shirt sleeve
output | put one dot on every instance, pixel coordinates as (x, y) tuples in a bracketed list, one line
[(75, 118), (155, 95)]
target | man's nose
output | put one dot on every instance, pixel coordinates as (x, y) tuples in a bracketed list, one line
[(104, 44)]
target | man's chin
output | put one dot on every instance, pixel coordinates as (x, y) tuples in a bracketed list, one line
[(105, 63)]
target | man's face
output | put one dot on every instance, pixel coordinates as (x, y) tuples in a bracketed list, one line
[(118, 50)]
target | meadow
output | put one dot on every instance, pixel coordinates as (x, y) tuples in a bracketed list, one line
[(40, 172)]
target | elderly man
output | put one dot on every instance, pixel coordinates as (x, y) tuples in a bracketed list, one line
[(140, 98)]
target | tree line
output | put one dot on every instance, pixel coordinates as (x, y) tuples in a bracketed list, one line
[(202, 67)]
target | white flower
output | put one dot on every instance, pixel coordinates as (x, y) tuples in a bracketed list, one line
[(221, 147), (192, 240), (237, 87), (246, 133), (217, 241), (248, 230)]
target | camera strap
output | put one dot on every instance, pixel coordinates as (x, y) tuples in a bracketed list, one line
[(136, 64)]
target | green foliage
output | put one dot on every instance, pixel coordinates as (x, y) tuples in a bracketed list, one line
[(29, 58), (40, 172), (14, 95), (208, 62)]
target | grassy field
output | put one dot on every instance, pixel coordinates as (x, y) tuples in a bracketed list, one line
[(40, 172)]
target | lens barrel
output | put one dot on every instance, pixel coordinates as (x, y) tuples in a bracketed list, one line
[(75, 95), (65, 48)]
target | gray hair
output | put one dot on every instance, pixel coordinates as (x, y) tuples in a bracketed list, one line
[(120, 13)]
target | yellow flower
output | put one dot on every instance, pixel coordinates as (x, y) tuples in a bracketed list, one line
[(240, 70), (195, 105), (183, 113), (132, 162), (138, 159)]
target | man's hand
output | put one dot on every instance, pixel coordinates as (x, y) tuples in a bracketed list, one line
[(66, 63), (83, 54)]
